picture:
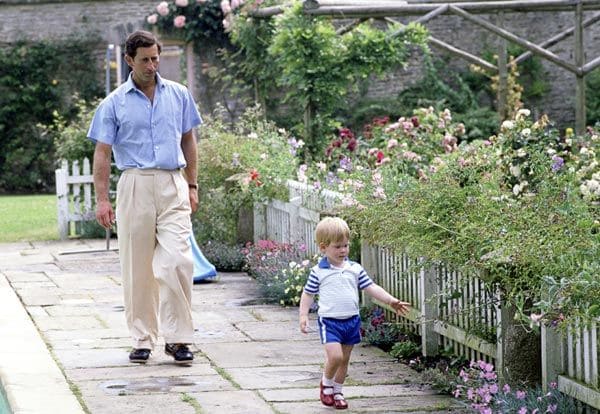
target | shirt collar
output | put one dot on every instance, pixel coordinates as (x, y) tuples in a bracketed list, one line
[(324, 263), (130, 86)]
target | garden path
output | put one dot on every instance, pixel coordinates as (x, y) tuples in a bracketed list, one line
[(250, 357)]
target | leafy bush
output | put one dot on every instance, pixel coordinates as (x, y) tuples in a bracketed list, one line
[(237, 167), (281, 270), (376, 331), (405, 349), (225, 257), (37, 81), (478, 384)]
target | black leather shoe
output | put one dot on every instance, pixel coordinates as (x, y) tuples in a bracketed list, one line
[(139, 355), (180, 352)]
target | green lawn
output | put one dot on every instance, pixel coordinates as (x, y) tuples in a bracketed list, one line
[(28, 218)]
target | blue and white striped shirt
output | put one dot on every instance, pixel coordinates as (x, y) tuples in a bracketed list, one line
[(337, 288), (146, 134)]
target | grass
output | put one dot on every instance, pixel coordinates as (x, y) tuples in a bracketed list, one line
[(28, 218)]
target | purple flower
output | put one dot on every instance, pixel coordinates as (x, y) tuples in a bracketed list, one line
[(552, 408), (520, 395), (557, 163), (522, 410)]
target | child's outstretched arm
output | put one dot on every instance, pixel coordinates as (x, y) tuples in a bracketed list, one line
[(382, 295), (306, 302)]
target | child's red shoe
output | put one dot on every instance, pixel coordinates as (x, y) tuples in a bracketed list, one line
[(326, 399), (339, 402)]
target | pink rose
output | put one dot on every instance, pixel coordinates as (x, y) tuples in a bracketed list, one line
[(200, 1), (179, 21), (225, 7), (181, 3), (163, 8), (152, 19)]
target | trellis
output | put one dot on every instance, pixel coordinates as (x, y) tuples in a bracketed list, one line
[(430, 9)]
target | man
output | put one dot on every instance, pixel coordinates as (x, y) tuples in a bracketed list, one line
[(147, 123)]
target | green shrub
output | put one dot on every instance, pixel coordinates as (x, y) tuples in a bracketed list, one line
[(225, 257), (405, 349), (37, 81)]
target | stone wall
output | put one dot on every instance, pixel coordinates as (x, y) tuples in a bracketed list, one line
[(113, 20)]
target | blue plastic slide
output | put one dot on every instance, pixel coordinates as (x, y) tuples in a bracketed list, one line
[(203, 269)]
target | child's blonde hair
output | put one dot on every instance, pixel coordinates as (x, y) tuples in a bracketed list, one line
[(331, 230)]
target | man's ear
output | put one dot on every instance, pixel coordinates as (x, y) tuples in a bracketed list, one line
[(129, 60)]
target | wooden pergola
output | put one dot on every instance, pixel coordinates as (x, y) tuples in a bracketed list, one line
[(426, 10)]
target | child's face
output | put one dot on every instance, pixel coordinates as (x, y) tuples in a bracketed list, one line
[(336, 252)]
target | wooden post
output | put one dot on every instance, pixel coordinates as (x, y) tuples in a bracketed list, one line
[(580, 77), (62, 196), (189, 63), (502, 317), (428, 302), (368, 257), (552, 356), (260, 221), (502, 92)]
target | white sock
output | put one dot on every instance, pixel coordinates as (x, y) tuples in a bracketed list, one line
[(337, 388), (327, 382)]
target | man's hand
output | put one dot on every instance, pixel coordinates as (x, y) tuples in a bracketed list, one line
[(194, 199), (105, 214), (401, 308)]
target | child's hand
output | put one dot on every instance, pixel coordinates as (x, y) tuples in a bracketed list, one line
[(304, 323), (401, 308)]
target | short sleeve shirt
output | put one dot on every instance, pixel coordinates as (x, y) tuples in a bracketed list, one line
[(145, 134), (337, 288)]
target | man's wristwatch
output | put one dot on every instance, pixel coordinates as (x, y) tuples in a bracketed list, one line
[(194, 186)]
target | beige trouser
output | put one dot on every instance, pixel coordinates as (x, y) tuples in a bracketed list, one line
[(153, 226)]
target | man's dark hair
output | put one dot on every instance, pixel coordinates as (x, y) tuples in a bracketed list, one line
[(140, 38)]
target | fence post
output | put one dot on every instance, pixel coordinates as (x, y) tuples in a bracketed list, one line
[(428, 303), (87, 189), (62, 195), (295, 225), (552, 357), (369, 262), (260, 221)]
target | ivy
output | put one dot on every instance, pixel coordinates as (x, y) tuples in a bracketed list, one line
[(36, 81)]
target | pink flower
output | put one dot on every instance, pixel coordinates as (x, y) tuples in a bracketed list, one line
[(181, 3), (152, 19), (200, 1), (163, 8), (520, 395), (506, 389), (179, 21), (225, 7), (235, 4), (522, 410)]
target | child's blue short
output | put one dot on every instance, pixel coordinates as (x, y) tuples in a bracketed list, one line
[(343, 331)]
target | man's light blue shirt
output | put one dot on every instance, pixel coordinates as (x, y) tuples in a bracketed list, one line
[(146, 134)]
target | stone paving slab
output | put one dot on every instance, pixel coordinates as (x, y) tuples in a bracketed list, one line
[(393, 404), (232, 402), (138, 404), (257, 354), (249, 356)]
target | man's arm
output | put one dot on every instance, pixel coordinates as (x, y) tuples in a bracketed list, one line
[(190, 153), (104, 211)]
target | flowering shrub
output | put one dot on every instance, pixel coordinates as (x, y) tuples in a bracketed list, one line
[(376, 331), (375, 165), (189, 19), (237, 167), (281, 270), (223, 256), (478, 384)]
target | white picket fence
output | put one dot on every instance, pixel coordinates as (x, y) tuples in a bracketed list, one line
[(74, 196), (455, 320)]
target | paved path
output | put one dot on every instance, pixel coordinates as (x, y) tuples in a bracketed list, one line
[(250, 358)]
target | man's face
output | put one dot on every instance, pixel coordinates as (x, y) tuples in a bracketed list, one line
[(145, 63)]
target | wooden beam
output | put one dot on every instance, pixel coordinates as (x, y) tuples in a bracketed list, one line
[(558, 37), (580, 79), (591, 65), (431, 15), (441, 45), (350, 26), (376, 9), (516, 39)]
